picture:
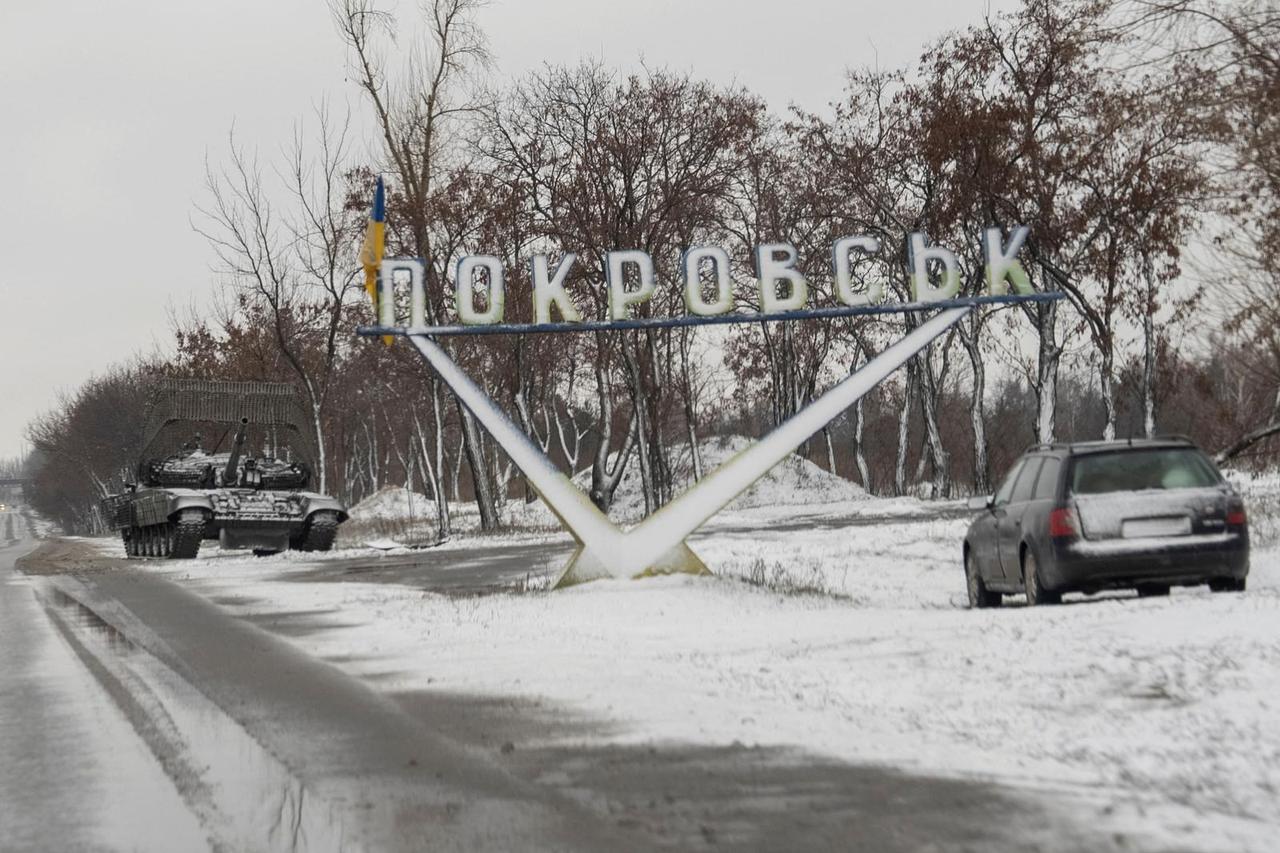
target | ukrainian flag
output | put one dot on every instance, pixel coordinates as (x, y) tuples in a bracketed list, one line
[(375, 243)]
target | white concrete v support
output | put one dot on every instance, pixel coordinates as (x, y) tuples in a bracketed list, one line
[(657, 545)]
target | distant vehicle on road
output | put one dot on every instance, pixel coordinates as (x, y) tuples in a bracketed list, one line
[(1142, 514)]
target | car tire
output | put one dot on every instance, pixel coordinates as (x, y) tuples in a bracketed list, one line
[(979, 595), (1036, 594), (1152, 590), (1227, 584)]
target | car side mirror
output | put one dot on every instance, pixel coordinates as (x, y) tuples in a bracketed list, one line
[(981, 502)]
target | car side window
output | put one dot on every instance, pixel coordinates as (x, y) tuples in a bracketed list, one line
[(1026, 481), (1006, 488), (1047, 484)]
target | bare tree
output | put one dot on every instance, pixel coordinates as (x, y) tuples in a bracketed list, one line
[(1233, 51), (87, 446), (294, 269), (599, 164), (415, 112)]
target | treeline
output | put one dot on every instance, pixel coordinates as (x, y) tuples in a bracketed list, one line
[(1138, 141)]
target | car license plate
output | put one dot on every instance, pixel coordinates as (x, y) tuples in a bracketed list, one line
[(1143, 528)]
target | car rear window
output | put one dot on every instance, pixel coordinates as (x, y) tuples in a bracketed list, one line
[(1135, 470)]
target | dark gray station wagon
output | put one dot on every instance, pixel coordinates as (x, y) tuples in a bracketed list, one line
[(1145, 514)]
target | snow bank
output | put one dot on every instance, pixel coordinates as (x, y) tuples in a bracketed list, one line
[(394, 509), (393, 503), (793, 482)]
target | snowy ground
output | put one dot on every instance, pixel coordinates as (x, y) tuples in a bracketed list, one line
[(1161, 713)]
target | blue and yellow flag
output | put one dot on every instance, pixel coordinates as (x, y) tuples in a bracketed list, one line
[(375, 244)]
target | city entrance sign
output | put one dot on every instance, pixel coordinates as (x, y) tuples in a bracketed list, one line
[(630, 280), (657, 545)]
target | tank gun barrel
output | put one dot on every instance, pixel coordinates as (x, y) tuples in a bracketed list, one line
[(237, 447)]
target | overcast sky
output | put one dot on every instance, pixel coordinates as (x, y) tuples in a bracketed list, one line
[(109, 110)]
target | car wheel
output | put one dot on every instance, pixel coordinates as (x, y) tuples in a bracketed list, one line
[(1036, 594), (979, 595), (1152, 590), (1227, 584)]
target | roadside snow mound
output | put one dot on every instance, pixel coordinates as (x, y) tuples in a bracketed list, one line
[(393, 503), (793, 482)]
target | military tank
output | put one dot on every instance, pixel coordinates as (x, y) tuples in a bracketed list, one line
[(252, 495)]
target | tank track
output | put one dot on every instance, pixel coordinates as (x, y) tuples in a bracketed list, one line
[(319, 533), (187, 532), (176, 540)]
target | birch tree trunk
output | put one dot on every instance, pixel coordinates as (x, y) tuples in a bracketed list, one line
[(457, 472), (444, 516), (831, 451), (640, 415), (690, 406), (322, 459), (605, 479), (904, 431), (969, 336), (1106, 362), (434, 474), (1149, 354), (1048, 358), (860, 456), (474, 449), (938, 455)]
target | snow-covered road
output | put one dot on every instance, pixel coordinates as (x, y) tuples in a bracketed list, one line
[(1156, 716)]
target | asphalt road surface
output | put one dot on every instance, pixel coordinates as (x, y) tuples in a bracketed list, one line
[(136, 714)]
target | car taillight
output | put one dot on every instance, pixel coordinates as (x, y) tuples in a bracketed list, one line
[(1236, 517), (1062, 523)]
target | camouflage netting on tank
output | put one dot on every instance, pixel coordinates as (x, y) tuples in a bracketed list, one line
[(179, 408)]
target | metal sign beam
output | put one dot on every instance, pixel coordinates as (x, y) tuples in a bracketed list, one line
[(451, 330), (657, 545)]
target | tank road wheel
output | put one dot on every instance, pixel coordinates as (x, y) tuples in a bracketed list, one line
[(185, 533), (319, 532)]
